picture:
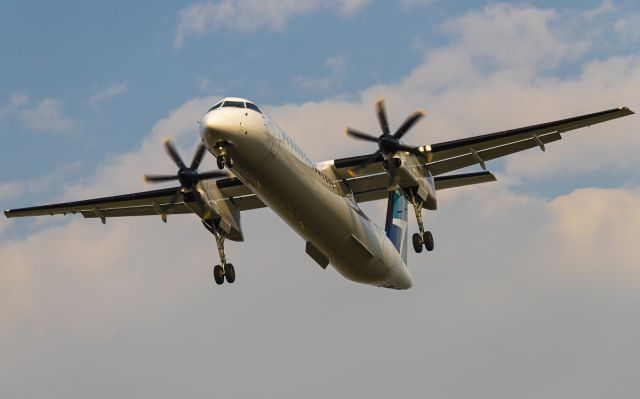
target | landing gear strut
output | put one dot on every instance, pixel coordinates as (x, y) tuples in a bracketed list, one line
[(423, 237), (224, 271)]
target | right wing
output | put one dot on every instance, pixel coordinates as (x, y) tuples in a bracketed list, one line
[(142, 203)]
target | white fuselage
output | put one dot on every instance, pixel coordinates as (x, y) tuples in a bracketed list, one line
[(268, 162)]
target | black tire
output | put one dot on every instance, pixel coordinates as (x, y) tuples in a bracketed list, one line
[(428, 241), (218, 274), (417, 242), (229, 273), (220, 161), (229, 162)]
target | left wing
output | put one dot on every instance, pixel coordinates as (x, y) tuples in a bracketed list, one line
[(142, 203), (457, 154)]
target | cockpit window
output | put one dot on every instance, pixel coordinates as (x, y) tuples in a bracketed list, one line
[(237, 104), (253, 107), (215, 106)]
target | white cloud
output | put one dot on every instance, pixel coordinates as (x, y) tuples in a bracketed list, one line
[(108, 92), (337, 66), (628, 27), (605, 7), (250, 16), (47, 116), (409, 4)]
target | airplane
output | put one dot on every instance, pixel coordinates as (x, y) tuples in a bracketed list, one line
[(319, 201)]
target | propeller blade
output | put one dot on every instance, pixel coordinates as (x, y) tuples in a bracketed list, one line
[(370, 159), (159, 178), (408, 124), (165, 209), (382, 117), (211, 174), (173, 153), (360, 136), (197, 157)]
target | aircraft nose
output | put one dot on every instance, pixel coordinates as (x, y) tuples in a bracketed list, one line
[(218, 125)]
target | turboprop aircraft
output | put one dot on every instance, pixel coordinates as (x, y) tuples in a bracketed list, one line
[(319, 201)]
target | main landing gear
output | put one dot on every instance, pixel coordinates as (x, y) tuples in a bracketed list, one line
[(224, 271), (423, 237)]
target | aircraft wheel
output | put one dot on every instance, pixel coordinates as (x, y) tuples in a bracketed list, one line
[(218, 274), (220, 160), (428, 241), (229, 273), (229, 162), (417, 242)]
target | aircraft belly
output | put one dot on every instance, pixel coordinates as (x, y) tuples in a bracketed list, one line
[(354, 247)]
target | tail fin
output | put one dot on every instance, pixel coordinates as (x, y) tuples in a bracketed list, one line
[(396, 224)]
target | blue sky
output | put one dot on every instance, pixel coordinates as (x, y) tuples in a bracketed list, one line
[(529, 273), (72, 51)]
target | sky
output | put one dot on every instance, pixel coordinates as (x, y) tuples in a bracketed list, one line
[(532, 291)]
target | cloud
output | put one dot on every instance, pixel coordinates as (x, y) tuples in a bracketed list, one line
[(605, 7), (251, 16), (337, 66), (48, 115), (523, 293), (409, 4), (628, 27), (109, 92)]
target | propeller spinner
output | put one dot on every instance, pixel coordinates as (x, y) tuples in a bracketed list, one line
[(188, 176)]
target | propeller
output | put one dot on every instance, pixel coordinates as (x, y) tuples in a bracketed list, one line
[(388, 143), (188, 176)]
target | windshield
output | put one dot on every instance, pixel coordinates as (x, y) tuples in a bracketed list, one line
[(253, 107), (237, 104), (215, 106)]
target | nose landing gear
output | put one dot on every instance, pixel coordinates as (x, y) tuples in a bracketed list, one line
[(224, 160), (423, 237)]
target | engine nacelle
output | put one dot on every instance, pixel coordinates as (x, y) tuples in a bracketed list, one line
[(409, 174)]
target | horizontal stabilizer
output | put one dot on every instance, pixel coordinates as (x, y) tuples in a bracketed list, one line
[(464, 179)]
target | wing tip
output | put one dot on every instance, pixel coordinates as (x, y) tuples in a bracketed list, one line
[(7, 213), (627, 110)]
